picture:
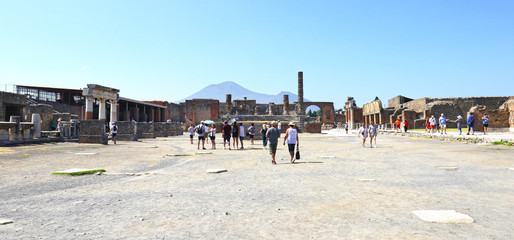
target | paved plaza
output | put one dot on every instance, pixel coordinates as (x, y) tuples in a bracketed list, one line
[(160, 189)]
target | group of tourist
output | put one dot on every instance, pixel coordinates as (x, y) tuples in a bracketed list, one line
[(236, 132), (433, 125), (371, 131)]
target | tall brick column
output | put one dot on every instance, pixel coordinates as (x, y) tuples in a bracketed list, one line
[(300, 93), (89, 108), (286, 104), (229, 103)]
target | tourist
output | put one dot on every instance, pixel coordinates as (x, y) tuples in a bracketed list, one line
[(235, 136), (272, 134), (427, 125), (200, 130), (405, 125), (251, 133), (241, 134), (225, 132), (433, 123), (363, 132), (292, 139), (346, 127), (471, 123), (191, 130), (459, 122), (212, 135), (52, 125), (485, 122), (442, 123), (263, 133), (279, 126), (398, 123), (114, 131), (207, 131), (373, 132)]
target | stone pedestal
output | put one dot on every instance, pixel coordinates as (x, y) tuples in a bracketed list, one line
[(36, 120)]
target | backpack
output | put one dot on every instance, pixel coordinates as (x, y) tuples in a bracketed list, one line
[(115, 128), (199, 129)]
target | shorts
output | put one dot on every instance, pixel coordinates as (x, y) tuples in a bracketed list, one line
[(397, 126), (251, 136), (212, 137), (114, 134), (443, 125), (291, 146), (373, 136), (226, 138), (234, 135), (201, 138), (191, 136), (273, 148), (241, 138), (485, 125), (432, 126)]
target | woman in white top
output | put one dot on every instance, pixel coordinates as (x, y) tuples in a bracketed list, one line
[(292, 139), (363, 132), (241, 134), (212, 135)]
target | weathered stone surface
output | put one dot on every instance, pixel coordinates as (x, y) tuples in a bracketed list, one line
[(443, 216), (79, 171), (326, 157), (93, 131), (365, 179), (448, 168), (216, 170)]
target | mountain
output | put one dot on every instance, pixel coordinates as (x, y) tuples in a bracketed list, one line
[(220, 91)]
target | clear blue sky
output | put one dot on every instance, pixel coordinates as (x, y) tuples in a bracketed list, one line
[(167, 50)]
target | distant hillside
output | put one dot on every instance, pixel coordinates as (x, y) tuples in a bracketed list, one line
[(219, 91)]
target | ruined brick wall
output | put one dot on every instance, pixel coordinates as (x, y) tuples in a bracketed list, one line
[(10, 102), (313, 127), (145, 130), (92, 131), (197, 110), (126, 131)]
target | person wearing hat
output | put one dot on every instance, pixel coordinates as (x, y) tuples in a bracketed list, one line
[(273, 135), (459, 123), (432, 123), (442, 123), (292, 139)]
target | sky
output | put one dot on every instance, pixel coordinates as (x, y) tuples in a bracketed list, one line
[(167, 50)]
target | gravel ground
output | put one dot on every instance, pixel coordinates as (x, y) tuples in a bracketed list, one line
[(146, 194)]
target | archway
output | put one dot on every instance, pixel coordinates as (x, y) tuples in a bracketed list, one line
[(314, 111)]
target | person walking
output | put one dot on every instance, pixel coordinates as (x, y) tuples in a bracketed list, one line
[(485, 122), (432, 124), (114, 131), (235, 136), (225, 132), (442, 123), (241, 134), (251, 133), (363, 132), (346, 127), (459, 123), (273, 135), (398, 123), (263, 132), (427, 125), (200, 131), (471, 123), (405, 125), (191, 130), (207, 131), (279, 126), (373, 132), (292, 140), (212, 135)]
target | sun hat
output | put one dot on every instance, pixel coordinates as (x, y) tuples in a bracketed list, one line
[(291, 124), (459, 116)]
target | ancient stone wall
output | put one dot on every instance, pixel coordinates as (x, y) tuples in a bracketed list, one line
[(93, 131), (145, 130), (126, 131)]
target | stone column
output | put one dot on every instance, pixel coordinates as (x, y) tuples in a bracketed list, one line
[(103, 111), (89, 108), (300, 93), (228, 107), (152, 114), (36, 120), (271, 107), (350, 125), (14, 132), (286, 104), (114, 111), (137, 114), (158, 115)]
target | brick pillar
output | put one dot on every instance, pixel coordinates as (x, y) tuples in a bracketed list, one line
[(286, 104), (137, 115), (153, 115), (89, 108), (229, 103), (159, 115), (300, 93)]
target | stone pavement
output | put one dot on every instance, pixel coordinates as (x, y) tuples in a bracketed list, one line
[(478, 137)]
